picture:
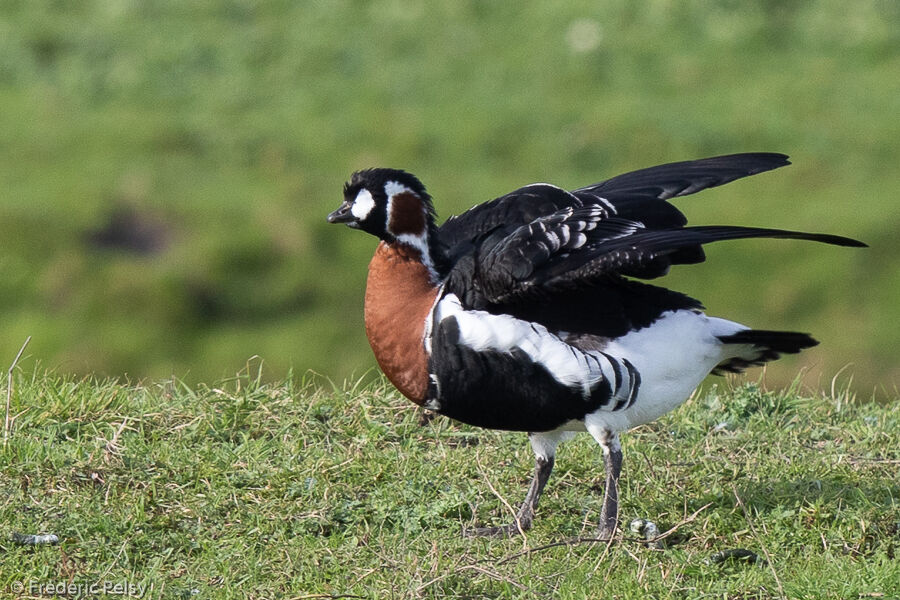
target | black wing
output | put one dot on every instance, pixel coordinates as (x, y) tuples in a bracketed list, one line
[(680, 178), (575, 247), (638, 196), (632, 253), (459, 233)]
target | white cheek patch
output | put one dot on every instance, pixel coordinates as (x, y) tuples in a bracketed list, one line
[(363, 204)]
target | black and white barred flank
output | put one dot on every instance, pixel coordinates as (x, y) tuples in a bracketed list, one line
[(483, 364)]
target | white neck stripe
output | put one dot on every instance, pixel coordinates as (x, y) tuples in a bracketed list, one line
[(420, 243)]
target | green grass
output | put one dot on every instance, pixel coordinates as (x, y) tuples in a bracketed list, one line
[(299, 489), (233, 124)]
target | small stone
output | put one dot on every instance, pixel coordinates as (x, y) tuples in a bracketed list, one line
[(34, 540), (648, 530)]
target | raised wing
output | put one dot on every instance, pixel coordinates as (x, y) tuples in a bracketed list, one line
[(680, 178), (638, 196), (583, 245), (508, 266)]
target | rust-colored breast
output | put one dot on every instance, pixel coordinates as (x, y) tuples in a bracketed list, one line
[(399, 295)]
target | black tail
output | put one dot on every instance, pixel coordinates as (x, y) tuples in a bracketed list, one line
[(765, 346)]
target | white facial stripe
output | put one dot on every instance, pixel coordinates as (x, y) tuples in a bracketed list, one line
[(392, 188), (362, 205)]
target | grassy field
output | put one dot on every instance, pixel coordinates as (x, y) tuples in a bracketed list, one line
[(165, 168), (300, 489)]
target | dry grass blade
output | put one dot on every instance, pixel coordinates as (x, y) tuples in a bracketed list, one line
[(508, 506), (478, 569), (9, 387), (112, 447), (683, 522), (568, 542)]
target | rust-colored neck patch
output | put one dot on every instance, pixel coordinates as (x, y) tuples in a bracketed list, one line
[(399, 296), (407, 215)]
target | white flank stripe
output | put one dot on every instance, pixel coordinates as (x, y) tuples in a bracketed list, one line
[(482, 331)]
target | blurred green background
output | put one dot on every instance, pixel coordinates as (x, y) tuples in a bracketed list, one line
[(166, 166)]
